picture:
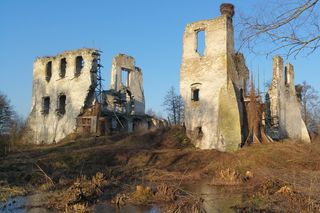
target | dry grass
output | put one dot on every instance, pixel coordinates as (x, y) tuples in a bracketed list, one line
[(10, 191), (187, 204), (172, 198), (166, 155), (80, 194)]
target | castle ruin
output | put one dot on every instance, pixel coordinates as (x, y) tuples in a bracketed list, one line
[(62, 86), (213, 85), (284, 114), (67, 97), (220, 112)]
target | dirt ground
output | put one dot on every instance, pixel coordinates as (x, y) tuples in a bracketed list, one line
[(282, 176)]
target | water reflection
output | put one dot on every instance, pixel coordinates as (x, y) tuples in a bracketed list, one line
[(216, 199), (103, 207), (22, 204)]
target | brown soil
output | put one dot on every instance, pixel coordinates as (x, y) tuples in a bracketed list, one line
[(167, 155)]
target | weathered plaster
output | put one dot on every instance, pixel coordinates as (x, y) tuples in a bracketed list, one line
[(79, 91), (284, 106), (134, 81), (213, 122)]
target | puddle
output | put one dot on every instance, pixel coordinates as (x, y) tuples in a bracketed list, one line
[(21, 204), (216, 199), (126, 209)]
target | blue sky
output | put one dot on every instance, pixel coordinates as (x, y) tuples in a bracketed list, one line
[(150, 31)]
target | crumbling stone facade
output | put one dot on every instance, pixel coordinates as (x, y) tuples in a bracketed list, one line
[(63, 85), (284, 108), (219, 112), (211, 84), (125, 102), (66, 97), (133, 83)]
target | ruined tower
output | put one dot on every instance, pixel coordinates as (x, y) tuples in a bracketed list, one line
[(212, 83), (125, 98), (63, 85), (125, 75), (284, 113)]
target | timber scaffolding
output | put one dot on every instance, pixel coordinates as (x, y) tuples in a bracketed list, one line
[(99, 88), (91, 120), (119, 109)]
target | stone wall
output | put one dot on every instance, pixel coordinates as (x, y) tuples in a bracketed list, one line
[(284, 108), (211, 84), (134, 82), (76, 80)]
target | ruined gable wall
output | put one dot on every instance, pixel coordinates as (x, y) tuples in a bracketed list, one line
[(135, 83), (284, 106), (209, 74), (118, 62), (290, 109), (78, 90)]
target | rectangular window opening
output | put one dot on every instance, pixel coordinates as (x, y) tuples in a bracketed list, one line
[(125, 77), (195, 95), (201, 42), (45, 105), (63, 66), (79, 65), (48, 71), (61, 104)]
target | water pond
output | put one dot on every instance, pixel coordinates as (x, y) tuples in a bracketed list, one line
[(216, 199)]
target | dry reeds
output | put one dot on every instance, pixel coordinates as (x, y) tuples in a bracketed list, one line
[(82, 192)]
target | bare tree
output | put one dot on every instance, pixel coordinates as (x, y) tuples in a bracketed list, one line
[(17, 130), (180, 109), (291, 26), (6, 115), (310, 108), (6, 122), (174, 106)]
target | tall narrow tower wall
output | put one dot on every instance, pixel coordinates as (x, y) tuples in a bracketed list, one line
[(208, 84), (284, 107)]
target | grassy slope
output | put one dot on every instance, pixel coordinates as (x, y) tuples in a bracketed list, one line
[(163, 155)]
